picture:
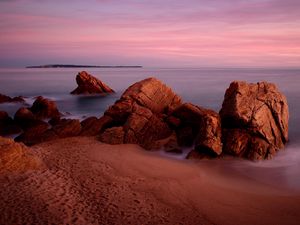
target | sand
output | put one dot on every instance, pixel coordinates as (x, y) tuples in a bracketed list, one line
[(84, 181)]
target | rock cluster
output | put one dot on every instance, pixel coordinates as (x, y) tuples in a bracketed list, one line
[(139, 115), (253, 121), (87, 84), (149, 111)]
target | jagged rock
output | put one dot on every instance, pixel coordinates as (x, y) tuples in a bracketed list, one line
[(87, 84), (16, 157), (5, 99), (67, 128), (8, 125), (92, 125), (44, 108), (113, 136), (140, 112), (254, 120), (199, 126)]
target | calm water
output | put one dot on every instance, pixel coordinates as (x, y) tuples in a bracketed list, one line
[(205, 87)]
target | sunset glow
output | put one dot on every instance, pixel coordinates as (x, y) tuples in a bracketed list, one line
[(196, 33)]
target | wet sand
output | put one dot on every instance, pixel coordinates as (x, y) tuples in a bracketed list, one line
[(84, 181)]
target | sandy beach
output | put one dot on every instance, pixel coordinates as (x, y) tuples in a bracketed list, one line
[(84, 181)]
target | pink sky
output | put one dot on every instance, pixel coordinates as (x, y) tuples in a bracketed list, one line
[(152, 33)]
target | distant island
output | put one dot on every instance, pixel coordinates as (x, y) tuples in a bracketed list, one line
[(79, 66)]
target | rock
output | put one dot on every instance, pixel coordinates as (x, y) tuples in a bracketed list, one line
[(44, 108), (152, 94), (24, 118), (8, 125), (16, 157), (7, 99), (87, 84), (145, 128), (254, 120), (196, 155), (92, 126), (172, 146), (113, 136), (199, 126), (4, 98), (141, 111), (33, 133), (67, 128)]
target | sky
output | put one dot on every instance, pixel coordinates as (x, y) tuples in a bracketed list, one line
[(151, 33)]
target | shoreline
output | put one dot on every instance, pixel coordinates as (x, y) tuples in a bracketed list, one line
[(86, 181)]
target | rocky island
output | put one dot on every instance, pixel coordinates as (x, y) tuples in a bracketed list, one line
[(79, 66)]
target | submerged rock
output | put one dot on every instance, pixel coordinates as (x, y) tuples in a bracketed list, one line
[(87, 84), (254, 120), (7, 99)]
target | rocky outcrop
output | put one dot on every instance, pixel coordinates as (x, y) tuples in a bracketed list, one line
[(197, 126), (140, 112), (16, 157), (7, 99), (87, 84), (254, 120), (44, 108), (92, 126), (67, 128)]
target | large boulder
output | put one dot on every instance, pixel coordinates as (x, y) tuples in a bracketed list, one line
[(44, 108), (139, 114), (198, 126), (254, 120), (87, 84), (16, 157)]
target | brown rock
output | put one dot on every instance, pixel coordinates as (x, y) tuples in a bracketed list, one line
[(114, 136), (16, 157), (4, 98), (140, 112), (44, 108), (172, 146), (87, 84), (7, 99), (67, 128), (33, 134), (144, 128), (92, 125), (152, 94), (200, 126), (261, 111)]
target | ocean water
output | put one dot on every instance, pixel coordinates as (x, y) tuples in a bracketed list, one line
[(204, 87)]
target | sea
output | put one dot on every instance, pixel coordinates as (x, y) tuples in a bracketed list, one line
[(205, 87)]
